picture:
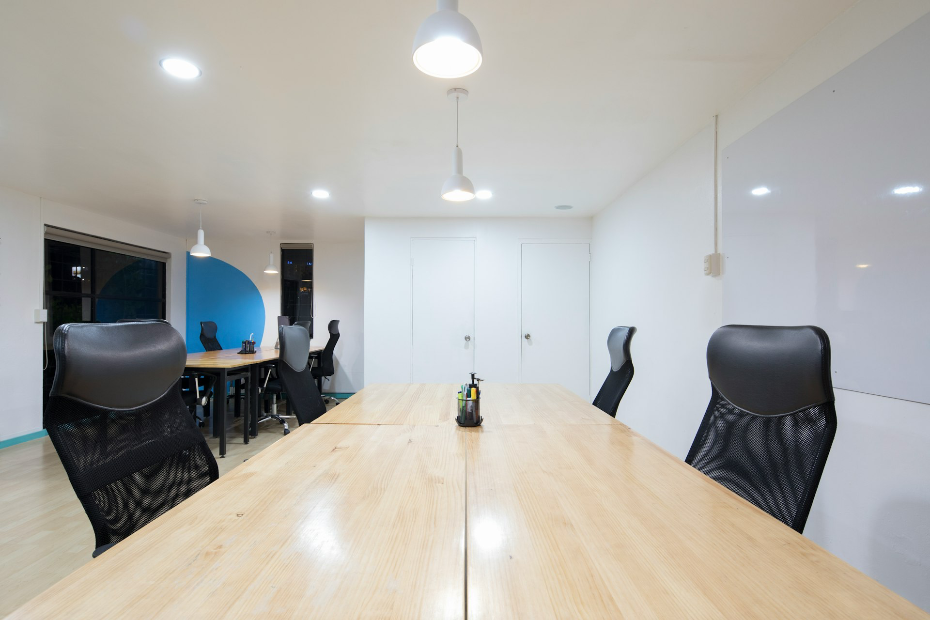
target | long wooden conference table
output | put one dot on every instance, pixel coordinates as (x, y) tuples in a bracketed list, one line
[(219, 363), (384, 507)]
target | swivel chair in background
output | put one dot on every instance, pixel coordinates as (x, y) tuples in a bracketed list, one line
[(295, 376), (326, 367), (621, 370), (208, 337)]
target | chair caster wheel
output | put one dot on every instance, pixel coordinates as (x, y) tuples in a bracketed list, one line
[(287, 431)]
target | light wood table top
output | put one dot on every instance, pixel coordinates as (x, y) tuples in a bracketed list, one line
[(435, 403), (596, 521), (230, 358), (552, 518), (333, 521)]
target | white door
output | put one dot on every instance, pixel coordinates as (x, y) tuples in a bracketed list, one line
[(443, 310), (555, 315)]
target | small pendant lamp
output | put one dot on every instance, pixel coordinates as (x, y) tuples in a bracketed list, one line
[(271, 268), (200, 249), (458, 187)]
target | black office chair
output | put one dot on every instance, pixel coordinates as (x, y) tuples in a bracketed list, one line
[(295, 376), (621, 370), (117, 420), (326, 365), (771, 418), (208, 336)]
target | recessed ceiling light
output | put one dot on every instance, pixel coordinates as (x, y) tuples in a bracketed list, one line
[(761, 191), (180, 68), (863, 266), (320, 193), (909, 189), (484, 194), (564, 207)]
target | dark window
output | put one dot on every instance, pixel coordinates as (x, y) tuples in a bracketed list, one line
[(297, 285), (86, 285)]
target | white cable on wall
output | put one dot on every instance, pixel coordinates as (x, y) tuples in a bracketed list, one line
[(716, 190), (42, 287)]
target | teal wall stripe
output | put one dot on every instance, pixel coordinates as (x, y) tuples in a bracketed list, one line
[(6, 443)]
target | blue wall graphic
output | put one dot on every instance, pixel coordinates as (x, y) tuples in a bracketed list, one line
[(218, 292)]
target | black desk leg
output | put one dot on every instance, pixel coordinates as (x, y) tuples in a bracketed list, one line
[(247, 418), (319, 380), (219, 413), (255, 381)]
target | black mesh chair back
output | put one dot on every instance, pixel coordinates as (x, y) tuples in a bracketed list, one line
[(208, 336), (117, 420), (295, 375), (621, 370), (771, 418), (327, 366)]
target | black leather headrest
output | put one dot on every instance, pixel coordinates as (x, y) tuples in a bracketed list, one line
[(294, 343), (771, 370), (618, 345), (208, 329), (117, 365), (333, 327)]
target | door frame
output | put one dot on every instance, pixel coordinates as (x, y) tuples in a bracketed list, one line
[(530, 241), (474, 296)]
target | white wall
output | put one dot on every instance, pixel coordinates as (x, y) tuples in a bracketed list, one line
[(497, 288), (338, 269), (22, 219), (647, 271), (873, 505)]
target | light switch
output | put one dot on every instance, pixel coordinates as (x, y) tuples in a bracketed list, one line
[(712, 265), (41, 315)]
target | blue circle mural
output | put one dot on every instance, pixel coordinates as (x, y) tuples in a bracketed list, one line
[(218, 292)]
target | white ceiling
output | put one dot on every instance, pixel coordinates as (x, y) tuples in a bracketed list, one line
[(574, 102)]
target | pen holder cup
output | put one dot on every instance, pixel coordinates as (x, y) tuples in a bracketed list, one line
[(469, 412), (248, 347)]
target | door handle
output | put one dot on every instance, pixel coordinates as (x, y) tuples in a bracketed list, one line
[(467, 338), (527, 336)]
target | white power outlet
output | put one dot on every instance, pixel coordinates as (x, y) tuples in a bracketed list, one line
[(712, 264), (41, 315)]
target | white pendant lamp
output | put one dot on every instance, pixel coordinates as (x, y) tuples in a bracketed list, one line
[(458, 187), (271, 268), (200, 249), (447, 44)]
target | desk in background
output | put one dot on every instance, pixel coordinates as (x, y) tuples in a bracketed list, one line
[(430, 403), (220, 363), (564, 519)]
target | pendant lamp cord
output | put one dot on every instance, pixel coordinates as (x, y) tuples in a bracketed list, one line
[(456, 120)]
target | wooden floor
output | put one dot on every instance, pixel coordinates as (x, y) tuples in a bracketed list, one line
[(44, 533)]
